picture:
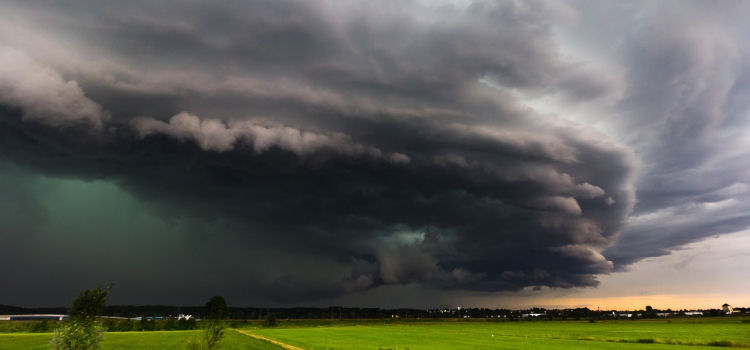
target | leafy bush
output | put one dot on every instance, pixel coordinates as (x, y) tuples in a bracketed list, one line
[(77, 335), (83, 331)]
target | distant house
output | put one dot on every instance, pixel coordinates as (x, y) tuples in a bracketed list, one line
[(727, 309), (693, 313)]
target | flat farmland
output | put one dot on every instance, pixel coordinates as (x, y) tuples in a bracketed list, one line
[(477, 334), (162, 340), (688, 334)]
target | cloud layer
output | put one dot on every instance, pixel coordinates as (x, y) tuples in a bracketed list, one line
[(42, 94), (388, 145)]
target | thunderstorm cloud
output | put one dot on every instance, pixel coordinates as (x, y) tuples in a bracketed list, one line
[(293, 151)]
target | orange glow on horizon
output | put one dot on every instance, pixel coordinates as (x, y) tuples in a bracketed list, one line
[(660, 301)]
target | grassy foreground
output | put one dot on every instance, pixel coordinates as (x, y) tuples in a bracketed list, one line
[(162, 340), (687, 334), (692, 334)]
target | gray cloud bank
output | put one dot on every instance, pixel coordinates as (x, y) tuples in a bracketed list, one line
[(378, 145)]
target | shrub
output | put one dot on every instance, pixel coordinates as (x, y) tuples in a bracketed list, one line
[(77, 335), (126, 326), (214, 332), (40, 327), (83, 331), (184, 324), (269, 321), (210, 339)]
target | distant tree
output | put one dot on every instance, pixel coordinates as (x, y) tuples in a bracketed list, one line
[(216, 308), (649, 312), (270, 320), (82, 331)]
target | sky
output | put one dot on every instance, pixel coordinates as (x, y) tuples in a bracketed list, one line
[(380, 154)]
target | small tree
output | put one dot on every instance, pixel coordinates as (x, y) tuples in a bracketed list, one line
[(82, 331), (216, 308), (213, 325)]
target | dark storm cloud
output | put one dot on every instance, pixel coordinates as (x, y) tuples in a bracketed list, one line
[(376, 144), (467, 224), (362, 135)]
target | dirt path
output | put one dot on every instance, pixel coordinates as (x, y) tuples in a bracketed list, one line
[(272, 341)]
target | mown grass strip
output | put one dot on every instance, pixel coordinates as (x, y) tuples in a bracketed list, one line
[(272, 341)]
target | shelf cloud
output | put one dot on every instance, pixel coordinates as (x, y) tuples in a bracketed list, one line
[(351, 146)]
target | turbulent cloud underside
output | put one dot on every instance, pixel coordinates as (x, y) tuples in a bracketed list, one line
[(391, 144)]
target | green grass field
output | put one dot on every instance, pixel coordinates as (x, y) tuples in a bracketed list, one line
[(688, 334), (642, 334), (167, 340)]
